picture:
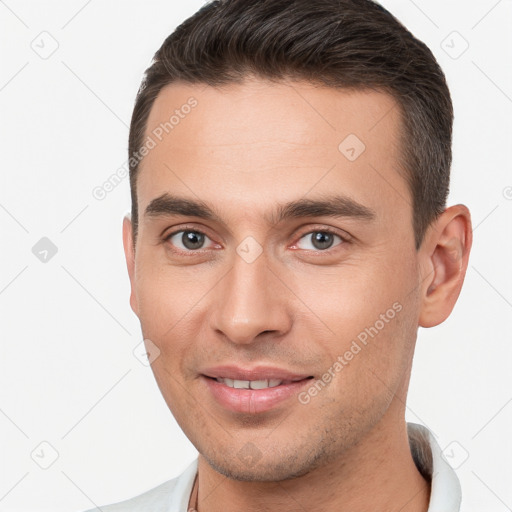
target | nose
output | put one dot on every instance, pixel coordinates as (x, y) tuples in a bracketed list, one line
[(250, 303)]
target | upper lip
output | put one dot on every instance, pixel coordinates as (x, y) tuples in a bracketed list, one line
[(254, 373)]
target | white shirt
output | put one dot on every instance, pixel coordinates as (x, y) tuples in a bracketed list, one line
[(174, 495)]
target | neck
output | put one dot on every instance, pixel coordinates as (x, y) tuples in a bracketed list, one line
[(378, 473)]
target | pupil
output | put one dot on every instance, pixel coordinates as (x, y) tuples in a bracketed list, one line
[(322, 240), (192, 240)]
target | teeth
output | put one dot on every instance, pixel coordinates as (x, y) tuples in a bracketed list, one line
[(250, 384), (259, 384)]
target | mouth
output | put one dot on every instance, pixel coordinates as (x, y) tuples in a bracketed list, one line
[(254, 390), (255, 384)]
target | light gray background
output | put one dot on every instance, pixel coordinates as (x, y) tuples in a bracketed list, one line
[(68, 375)]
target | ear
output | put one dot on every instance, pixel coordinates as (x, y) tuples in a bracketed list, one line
[(444, 262), (129, 253)]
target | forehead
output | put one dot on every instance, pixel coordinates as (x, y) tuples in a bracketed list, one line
[(260, 141)]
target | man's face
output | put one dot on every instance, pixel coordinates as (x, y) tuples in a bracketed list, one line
[(277, 296)]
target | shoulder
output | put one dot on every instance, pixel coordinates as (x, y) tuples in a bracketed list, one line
[(166, 497), (156, 499)]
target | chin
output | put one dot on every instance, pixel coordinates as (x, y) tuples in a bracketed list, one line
[(265, 469)]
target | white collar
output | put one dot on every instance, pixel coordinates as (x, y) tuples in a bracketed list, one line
[(445, 495)]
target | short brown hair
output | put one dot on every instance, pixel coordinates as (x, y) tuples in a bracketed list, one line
[(346, 44)]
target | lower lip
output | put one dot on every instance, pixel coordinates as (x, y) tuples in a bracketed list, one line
[(252, 401)]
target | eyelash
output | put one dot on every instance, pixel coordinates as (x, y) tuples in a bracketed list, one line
[(345, 239)]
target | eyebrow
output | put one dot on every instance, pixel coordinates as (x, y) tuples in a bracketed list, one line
[(327, 206)]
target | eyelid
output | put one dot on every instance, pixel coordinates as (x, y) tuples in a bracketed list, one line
[(178, 229), (185, 227), (345, 237)]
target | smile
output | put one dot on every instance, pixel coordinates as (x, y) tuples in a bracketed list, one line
[(254, 390), (252, 384)]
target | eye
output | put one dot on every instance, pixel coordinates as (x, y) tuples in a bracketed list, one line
[(187, 240), (319, 240)]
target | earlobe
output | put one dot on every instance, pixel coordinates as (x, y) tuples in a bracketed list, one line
[(129, 252), (447, 249)]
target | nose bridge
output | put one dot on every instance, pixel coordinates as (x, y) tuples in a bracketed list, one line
[(246, 303)]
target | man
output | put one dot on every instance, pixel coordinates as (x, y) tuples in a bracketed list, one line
[(289, 234)]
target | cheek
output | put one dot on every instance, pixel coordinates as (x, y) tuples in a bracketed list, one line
[(352, 297), (365, 371), (371, 313), (166, 306), (381, 352), (166, 295)]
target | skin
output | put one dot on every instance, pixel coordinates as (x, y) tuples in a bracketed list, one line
[(242, 150)]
